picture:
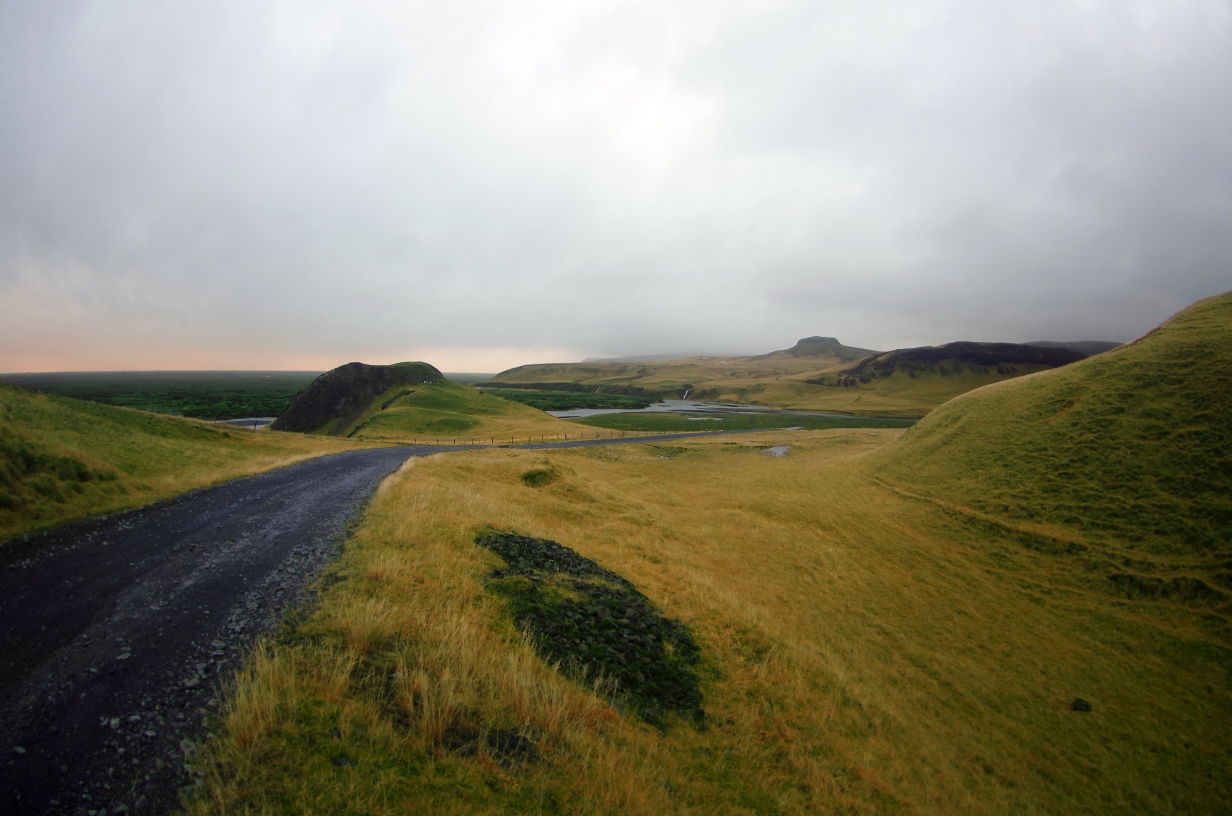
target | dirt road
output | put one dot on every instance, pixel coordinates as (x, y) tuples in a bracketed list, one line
[(115, 632)]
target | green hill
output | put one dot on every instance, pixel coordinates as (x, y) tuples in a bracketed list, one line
[(1127, 455), (63, 458)]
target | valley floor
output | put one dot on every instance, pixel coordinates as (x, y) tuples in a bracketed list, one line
[(863, 651)]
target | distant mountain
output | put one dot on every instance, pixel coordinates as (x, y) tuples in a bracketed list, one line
[(821, 347), (1085, 347)]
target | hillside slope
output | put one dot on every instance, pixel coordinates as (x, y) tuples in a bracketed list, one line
[(63, 458), (1131, 449)]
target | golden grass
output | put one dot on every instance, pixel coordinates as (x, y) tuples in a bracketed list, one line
[(62, 458), (865, 651)]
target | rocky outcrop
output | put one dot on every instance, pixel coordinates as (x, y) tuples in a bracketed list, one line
[(1006, 359), (338, 398)]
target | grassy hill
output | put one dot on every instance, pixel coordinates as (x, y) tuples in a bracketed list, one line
[(1020, 606), (62, 458), (1132, 448), (446, 409)]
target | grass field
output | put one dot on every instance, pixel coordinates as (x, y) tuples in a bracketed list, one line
[(63, 458), (863, 651), (202, 394), (1020, 605), (672, 422)]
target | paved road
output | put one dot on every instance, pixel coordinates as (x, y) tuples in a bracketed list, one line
[(114, 632)]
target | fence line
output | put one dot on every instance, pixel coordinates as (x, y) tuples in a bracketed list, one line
[(540, 439)]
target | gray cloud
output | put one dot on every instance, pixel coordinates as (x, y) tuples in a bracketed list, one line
[(331, 182)]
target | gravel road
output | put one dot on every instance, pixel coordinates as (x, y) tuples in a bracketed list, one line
[(115, 632)]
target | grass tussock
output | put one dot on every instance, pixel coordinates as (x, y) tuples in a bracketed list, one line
[(862, 651), (63, 458)]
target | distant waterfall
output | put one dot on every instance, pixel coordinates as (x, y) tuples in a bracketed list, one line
[(685, 395)]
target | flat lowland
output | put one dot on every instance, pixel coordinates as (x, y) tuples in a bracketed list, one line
[(63, 458)]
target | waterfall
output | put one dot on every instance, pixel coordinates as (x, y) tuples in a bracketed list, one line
[(685, 395)]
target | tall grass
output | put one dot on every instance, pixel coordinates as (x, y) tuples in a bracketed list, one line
[(863, 651)]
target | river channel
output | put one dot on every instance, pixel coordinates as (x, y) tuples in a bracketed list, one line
[(679, 406)]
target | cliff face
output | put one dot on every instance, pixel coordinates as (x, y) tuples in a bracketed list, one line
[(338, 398), (1004, 358)]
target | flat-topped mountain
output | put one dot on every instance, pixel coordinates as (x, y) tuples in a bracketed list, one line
[(822, 347)]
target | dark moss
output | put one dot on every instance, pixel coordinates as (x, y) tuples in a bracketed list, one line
[(538, 477), (594, 623)]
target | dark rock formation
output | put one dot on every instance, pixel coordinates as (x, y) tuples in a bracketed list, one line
[(1007, 359), (338, 398)]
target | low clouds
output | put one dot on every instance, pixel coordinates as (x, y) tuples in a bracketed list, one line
[(259, 185)]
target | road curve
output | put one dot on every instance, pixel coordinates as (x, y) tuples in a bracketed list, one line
[(115, 631)]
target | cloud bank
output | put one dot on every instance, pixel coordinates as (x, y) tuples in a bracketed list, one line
[(481, 184)]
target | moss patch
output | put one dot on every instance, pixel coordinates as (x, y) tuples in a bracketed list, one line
[(595, 624)]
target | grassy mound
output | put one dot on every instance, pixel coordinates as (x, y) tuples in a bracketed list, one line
[(1132, 447), (595, 624), (449, 410), (62, 458)]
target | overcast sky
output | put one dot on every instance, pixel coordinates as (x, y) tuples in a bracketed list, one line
[(482, 184)]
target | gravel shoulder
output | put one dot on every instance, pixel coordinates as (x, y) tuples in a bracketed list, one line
[(115, 632)]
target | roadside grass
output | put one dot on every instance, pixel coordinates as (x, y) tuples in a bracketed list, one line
[(63, 458), (447, 410), (731, 422), (862, 651)]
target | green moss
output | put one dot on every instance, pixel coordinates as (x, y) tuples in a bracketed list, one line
[(595, 624)]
